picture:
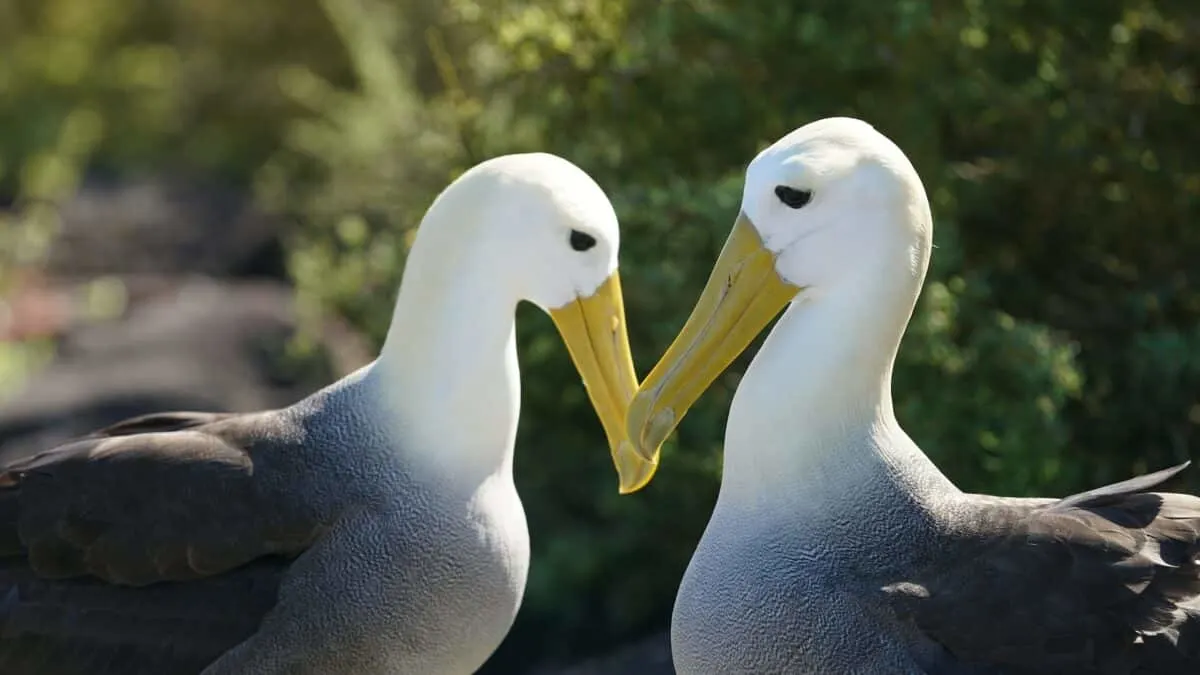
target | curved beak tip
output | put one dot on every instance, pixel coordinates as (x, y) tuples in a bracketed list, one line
[(634, 472)]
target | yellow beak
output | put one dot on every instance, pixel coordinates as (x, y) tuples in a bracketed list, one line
[(743, 294), (593, 329)]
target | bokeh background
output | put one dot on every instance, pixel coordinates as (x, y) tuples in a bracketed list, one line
[(207, 204)]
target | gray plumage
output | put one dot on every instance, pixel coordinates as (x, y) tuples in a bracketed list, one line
[(1105, 582), (227, 509)]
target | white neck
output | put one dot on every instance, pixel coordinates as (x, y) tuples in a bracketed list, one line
[(448, 372), (812, 419)]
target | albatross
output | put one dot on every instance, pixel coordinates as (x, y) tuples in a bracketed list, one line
[(835, 545), (371, 528)]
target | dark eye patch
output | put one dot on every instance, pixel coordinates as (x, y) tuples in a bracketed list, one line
[(582, 241), (792, 197)]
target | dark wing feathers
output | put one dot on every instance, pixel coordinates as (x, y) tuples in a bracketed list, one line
[(1118, 491), (151, 546), (142, 508), (1105, 582), (165, 421), (87, 627)]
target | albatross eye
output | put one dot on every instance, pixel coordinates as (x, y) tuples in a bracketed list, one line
[(792, 197), (582, 241)]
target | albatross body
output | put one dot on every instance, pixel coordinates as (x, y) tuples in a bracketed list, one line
[(372, 528), (836, 546)]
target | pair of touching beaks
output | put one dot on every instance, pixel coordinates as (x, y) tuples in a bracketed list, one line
[(743, 293)]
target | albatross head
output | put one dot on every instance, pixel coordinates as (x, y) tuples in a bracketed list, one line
[(832, 209), (537, 228)]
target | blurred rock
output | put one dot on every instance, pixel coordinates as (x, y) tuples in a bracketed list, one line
[(202, 318), (164, 225), (192, 344)]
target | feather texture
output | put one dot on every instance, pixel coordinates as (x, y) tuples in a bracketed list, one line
[(1104, 582), (148, 547)]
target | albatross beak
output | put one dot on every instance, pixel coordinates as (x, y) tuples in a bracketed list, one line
[(743, 294), (593, 329)]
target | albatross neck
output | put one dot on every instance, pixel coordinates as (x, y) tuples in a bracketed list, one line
[(812, 420), (448, 368)]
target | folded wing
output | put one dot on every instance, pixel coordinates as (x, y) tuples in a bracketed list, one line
[(152, 546), (1107, 581)]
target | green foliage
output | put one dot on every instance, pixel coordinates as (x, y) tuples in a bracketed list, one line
[(1056, 342), (983, 391), (359, 172), (47, 175), (188, 84)]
